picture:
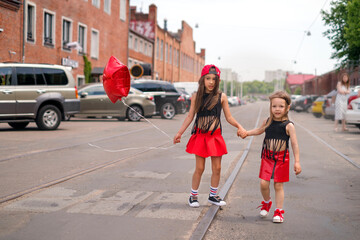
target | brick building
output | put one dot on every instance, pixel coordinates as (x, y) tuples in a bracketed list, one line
[(61, 32), (174, 57), (294, 81), (325, 83)]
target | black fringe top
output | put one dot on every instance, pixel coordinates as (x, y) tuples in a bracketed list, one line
[(208, 120), (276, 140)]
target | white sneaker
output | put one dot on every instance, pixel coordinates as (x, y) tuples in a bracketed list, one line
[(265, 207), (278, 216), (193, 202)]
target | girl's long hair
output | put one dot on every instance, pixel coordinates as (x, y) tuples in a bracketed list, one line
[(341, 80), (282, 95), (211, 100)]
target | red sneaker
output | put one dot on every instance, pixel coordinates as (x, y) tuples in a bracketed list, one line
[(265, 207), (278, 216)]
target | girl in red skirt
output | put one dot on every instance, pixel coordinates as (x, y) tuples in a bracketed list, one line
[(275, 153), (206, 139)]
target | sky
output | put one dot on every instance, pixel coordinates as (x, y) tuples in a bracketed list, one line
[(253, 36)]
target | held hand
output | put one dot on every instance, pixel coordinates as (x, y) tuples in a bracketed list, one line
[(241, 132), (297, 168), (177, 138)]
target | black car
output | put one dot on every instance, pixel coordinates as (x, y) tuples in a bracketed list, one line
[(167, 99), (187, 98), (303, 103)]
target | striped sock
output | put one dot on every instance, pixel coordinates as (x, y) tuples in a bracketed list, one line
[(213, 191), (194, 193)]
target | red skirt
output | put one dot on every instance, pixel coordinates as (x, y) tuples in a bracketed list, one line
[(277, 169), (207, 145)]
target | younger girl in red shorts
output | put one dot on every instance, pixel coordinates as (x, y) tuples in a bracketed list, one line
[(206, 139), (275, 153)]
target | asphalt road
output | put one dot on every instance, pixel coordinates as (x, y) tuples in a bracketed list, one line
[(118, 192)]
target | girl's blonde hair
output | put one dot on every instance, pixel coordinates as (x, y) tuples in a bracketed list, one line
[(211, 100), (341, 79), (282, 95)]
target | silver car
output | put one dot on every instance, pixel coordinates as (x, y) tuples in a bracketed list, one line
[(95, 103)]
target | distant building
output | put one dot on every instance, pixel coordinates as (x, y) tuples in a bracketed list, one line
[(61, 32), (228, 75), (174, 56), (293, 81), (276, 75)]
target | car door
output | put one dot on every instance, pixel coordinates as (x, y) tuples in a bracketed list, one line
[(7, 93), (30, 85), (94, 101)]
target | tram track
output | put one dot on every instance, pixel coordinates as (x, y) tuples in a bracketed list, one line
[(204, 224), (79, 173), (27, 154), (207, 218)]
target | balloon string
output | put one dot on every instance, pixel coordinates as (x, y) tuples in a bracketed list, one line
[(135, 148), (147, 120)]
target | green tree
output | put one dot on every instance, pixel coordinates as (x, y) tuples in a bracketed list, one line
[(297, 91), (87, 69), (343, 32), (352, 30)]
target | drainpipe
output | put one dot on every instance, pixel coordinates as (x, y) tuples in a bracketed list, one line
[(24, 32)]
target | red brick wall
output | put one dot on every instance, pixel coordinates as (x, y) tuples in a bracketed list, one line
[(113, 33), (12, 35)]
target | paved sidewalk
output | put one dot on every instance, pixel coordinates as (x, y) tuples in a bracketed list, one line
[(321, 203)]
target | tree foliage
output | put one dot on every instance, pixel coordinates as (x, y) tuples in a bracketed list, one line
[(344, 28), (87, 69)]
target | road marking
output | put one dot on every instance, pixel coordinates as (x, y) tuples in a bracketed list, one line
[(205, 222), (116, 205), (172, 206), (145, 174)]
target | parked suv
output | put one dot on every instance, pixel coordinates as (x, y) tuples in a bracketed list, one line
[(303, 103), (167, 99), (42, 93)]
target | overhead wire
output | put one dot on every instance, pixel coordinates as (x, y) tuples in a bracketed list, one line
[(307, 32)]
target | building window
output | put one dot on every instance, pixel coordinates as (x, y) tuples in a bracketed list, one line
[(31, 18), (130, 41), (96, 3), (66, 34), (123, 10), (136, 44), (80, 80), (157, 48), (161, 50), (150, 50), (166, 52), (146, 48), (170, 57), (82, 38), (94, 44), (141, 46), (107, 6), (49, 29)]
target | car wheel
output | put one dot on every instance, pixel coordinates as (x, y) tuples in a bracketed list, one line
[(135, 113), (48, 118), (167, 111), (318, 115), (183, 108), (18, 125)]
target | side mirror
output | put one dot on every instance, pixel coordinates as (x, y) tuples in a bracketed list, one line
[(83, 94)]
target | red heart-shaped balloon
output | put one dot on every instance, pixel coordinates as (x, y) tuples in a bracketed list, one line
[(116, 79)]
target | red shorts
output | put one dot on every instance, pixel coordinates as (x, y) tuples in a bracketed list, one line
[(207, 145), (277, 169)]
